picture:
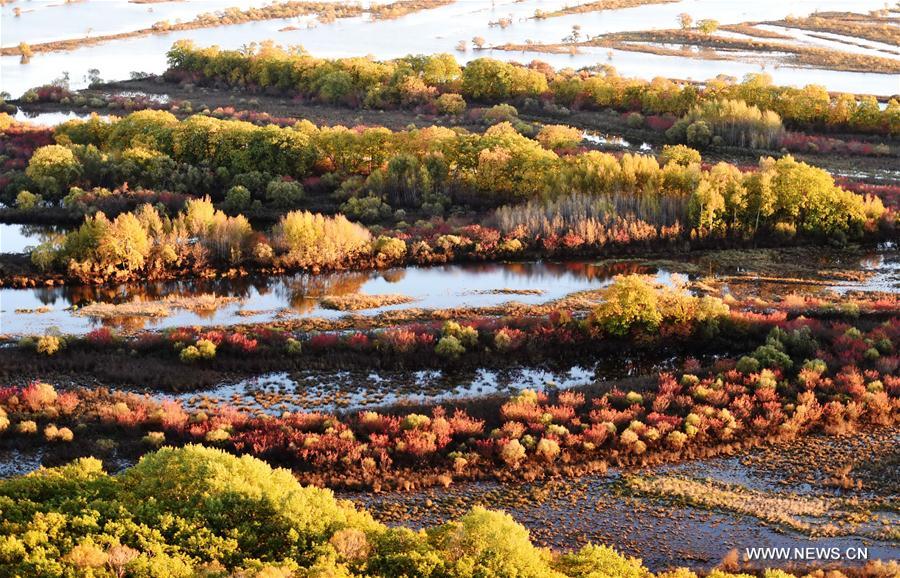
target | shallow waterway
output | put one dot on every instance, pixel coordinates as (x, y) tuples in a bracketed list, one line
[(247, 300), (159, 305)]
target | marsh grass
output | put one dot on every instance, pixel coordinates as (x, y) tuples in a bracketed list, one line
[(204, 303), (37, 310), (357, 302), (510, 291), (811, 515)]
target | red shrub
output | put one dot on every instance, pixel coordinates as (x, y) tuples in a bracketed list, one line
[(322, 341), (464, 426), (101, 336)]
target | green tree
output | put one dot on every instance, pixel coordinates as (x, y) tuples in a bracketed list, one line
[(54, 169), (284, 194), (557, 136), (760, 198), (313, 240), (706, 207), (27, 201), (151, 129), (489, 543), (594, 561), (492, 80), (237, 199), (708, 26)]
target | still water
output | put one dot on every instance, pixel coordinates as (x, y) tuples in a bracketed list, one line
[(30, 311)]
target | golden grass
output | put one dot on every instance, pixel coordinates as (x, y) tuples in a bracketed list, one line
[(712, 47), (204, 303), (749, 29), (598, 6), (510, 291), (403, 7), (812, 515), (357, 301), (879, 28), (37, 310)]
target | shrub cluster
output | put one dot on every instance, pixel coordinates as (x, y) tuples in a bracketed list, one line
[(732, 122), (807, 376), (196, 511), (146, 243)]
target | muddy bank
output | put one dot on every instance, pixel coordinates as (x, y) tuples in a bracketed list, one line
[(568, 513)]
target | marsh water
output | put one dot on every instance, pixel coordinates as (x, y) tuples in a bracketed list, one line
[(254, 299), (331, 391), (53, 118), (265, 299)]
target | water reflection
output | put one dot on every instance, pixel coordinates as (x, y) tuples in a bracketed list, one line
[(257, 299), (260, 299), (54, 118), (18, 238)]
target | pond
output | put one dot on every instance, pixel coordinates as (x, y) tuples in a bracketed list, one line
[(440, 29), (246, 300)]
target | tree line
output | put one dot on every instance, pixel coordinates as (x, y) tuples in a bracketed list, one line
[(424, 80)]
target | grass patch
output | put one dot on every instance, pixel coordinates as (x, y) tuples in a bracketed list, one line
[(358, 302), (596, 7), (38, 310), (694, 44), (811, 515), (204, 303), (510, 291), (873, 26)]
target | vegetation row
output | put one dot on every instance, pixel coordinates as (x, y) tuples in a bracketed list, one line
[(195, 511), (544, 192), (439, 82)]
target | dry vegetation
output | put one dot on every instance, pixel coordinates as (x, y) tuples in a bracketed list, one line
[(357, 302), (404, 7), (723, 48), (509, 291), (293, 9), (694, 43), (323, 11), (596, 7), (808, 514), (204, 303), (877, 26), (750, 29)]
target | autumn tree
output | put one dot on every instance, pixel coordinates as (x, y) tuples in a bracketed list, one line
[(53, 168)]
